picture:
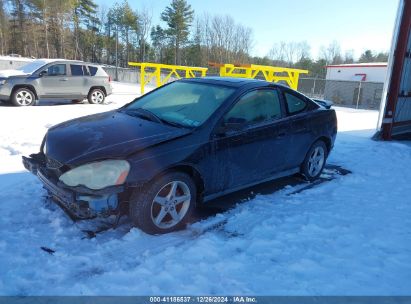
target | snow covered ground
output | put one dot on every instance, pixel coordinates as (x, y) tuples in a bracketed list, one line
[(349, 236)]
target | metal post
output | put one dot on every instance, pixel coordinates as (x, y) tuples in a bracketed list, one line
[(142, 78), (116, 53), (359, 93), (313, 92)]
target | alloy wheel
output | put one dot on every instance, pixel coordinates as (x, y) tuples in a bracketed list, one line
[(24, 98), (97, 97), (316, 161), (170, 204)]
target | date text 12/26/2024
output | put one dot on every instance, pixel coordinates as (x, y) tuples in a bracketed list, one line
[(204, 299)]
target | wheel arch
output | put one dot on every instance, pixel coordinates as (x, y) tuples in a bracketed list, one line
[(25, 86), (100, 88), (327, 141), (190, 171)]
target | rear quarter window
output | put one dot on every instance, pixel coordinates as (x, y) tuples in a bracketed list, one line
[(294, 103), (93, 70), (85, 71)]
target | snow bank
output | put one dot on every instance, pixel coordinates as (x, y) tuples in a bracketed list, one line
[(350, 236)]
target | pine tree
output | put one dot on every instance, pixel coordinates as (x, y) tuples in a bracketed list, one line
[(128, 22), (83, 14), (18, 27), (367, 56), (40, 10), (3, 29), (178, 17), (158, 38)]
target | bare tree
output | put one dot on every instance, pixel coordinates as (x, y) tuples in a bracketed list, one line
[(332, 53), (224, 40), (349, 56), (278, 52), (303, 51), (287, 53)]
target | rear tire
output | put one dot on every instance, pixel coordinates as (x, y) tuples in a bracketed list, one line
[(96, 96), (315, 160), (164, 205), (23, 98)]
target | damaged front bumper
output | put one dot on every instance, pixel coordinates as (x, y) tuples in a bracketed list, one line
[(79, 203)]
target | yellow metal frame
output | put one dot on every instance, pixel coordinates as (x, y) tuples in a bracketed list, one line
[(271, 74), (178, 71)]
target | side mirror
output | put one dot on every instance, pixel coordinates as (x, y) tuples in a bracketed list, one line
[(43, 73), (233, 124)]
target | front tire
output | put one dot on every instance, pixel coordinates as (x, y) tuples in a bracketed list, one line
[(314, 162), (96, 96), (165, 205), (23, 97)]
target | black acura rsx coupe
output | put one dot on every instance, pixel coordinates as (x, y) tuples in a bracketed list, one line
[(181, 145)]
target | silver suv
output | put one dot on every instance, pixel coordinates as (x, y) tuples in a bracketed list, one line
[(54, 79)]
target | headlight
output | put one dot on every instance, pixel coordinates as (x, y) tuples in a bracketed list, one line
[(3, 81), (98, 175)]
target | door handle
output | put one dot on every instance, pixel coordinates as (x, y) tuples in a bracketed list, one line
[(63, 79), (281, 134)]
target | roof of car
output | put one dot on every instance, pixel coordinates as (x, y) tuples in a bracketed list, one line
[(56, 59), (47, 60), (228, 81)]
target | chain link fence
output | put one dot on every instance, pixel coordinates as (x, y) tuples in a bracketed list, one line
[(133, 75), (353, 94), (124, 74)]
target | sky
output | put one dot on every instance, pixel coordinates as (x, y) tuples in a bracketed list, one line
[(356, 25)]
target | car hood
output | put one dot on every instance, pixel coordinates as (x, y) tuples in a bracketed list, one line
[(107, 135), (9, 73)]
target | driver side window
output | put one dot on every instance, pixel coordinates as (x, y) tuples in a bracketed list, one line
[(56, 70), (255, 107)]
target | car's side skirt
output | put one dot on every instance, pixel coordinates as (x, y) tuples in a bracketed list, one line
[(271, 178), (63, 97)]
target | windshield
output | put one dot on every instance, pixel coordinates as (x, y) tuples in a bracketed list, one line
[(183, 103), (32, 66)]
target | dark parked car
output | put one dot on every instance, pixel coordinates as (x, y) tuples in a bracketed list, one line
[(55, 79), (179, 146)]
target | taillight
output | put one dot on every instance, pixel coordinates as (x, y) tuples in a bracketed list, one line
[(109, 78)]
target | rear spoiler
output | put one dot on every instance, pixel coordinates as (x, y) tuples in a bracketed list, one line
[(325, 103)]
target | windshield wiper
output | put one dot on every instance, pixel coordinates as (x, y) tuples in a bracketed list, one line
[(146, 114), (173, 123), (143, 113)]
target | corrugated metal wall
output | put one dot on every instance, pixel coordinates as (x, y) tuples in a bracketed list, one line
[(395, 112), (403, 111), (406, 79), (403, 107)]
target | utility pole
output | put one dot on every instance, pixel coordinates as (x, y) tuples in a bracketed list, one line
[(116, 52), (359, 94)]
